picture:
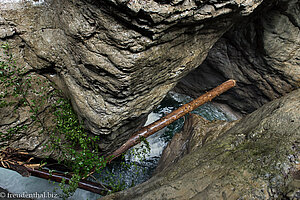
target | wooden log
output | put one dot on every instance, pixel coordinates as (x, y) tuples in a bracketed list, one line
[(58, 177), (135, 139), (171, 117)]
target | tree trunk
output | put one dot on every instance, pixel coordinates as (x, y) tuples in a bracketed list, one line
[(171, 117), (143, 133)]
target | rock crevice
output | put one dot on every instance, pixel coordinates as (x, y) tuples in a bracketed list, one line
[(262, 55), (116, 60)]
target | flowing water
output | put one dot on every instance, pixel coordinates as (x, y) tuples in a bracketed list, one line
[(131, 172)]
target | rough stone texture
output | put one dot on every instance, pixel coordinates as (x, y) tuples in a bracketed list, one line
[(116, 59), (263, 55), (196, 132), (13, 116), (255, 159)]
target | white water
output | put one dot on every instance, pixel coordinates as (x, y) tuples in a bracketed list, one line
[(15, 183), (159, 140), (156, 143)]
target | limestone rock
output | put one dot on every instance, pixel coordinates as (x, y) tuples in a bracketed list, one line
[(196, 132), (257, 158), (116, 59), (262, 55)]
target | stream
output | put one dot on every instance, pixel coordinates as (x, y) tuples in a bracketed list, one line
[(134, 170)]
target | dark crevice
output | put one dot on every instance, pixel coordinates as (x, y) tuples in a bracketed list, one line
[(282, 7), (100, 71), (291, 19), (115, 11), (42, 71), (163, 1)]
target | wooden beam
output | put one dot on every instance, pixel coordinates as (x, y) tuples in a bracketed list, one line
[(98, 188)]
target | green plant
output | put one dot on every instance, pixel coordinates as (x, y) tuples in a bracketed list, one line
[(68, 190), (130, 165), (12, 90), (22, 88), (77, 149)]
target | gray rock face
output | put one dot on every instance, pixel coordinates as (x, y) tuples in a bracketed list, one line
[(263, 56), (256, 157), (116, 59), (196, 132)]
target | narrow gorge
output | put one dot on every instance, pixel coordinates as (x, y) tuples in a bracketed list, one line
[(116, 60)]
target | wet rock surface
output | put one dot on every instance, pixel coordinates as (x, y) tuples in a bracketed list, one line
[(256, 157), (262, 55), (115, 60)]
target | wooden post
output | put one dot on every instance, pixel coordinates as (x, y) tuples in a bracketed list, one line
[(171, 117)]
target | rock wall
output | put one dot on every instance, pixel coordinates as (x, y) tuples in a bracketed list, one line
[(263, 55), (256, 157), (116, 60)]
